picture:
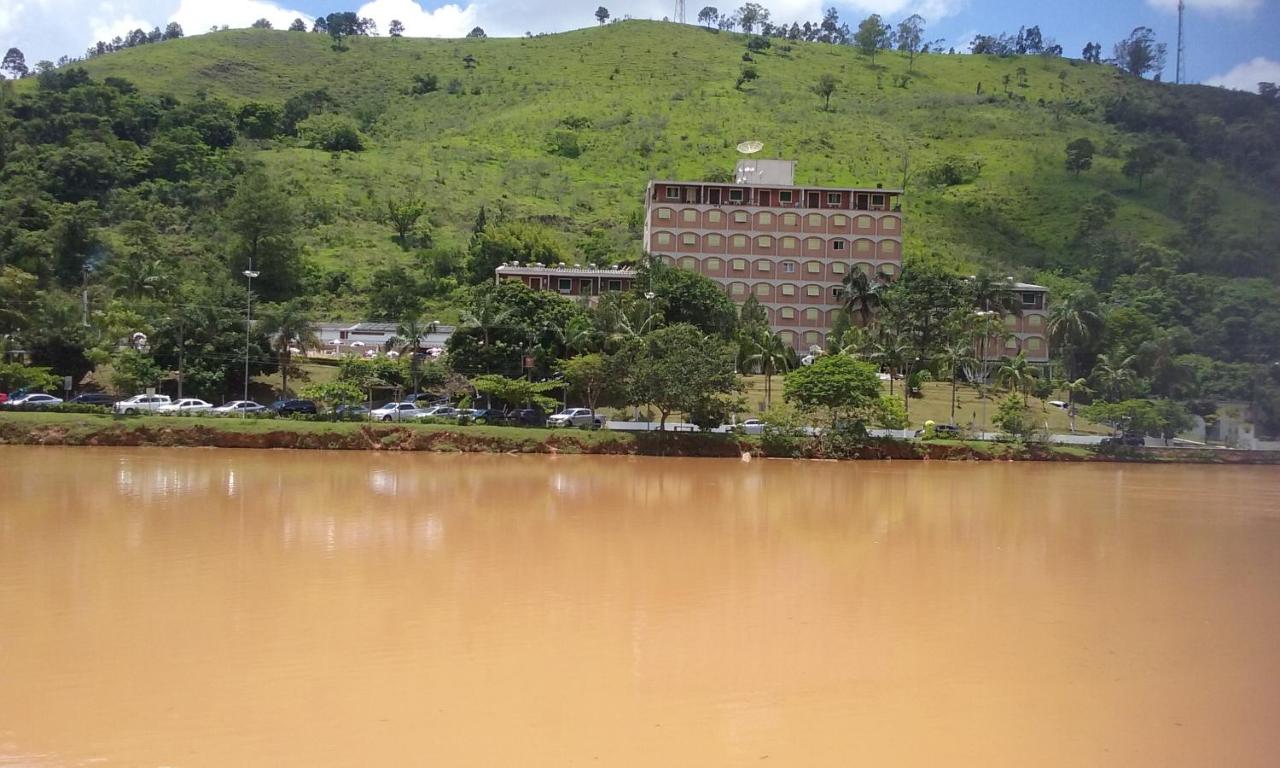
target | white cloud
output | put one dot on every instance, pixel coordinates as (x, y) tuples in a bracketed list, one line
[(106, 29), (198, 16), (446, 21), (1246, 76), (1232, 6)]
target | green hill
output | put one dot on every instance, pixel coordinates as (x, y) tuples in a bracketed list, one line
[(659, 100)]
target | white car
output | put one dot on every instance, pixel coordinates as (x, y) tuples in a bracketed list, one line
[(141, 404), (1058, 404), (576, 417), (395, 412), (239, 408), (752, 426), (185, 406), (34, 400), (438, 412)]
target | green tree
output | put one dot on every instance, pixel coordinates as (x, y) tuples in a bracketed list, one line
[(516, 392), (1017, 374), (592, 376), (1013, 419), (1074, 324), (708, 16), (859, 294), (843, 388), (1079, 155), (872, 36), (676, 369), (486, 312), (911, 37), (133, 371), (1115, 376), (396, 29), (752, 15), (289, 325), (957, 355), (825, 87), (1140, 161), (263, 228), (765, 351), (298, 25), (683, 296), (35, 378), (602, 14), (1139, 54), (525, 242), (332, 133), (403, 215), (393, 293)]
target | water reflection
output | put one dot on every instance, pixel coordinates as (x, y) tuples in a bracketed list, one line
[(275, 608)]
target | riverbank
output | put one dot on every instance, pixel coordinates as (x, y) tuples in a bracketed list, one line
[(168, 431)]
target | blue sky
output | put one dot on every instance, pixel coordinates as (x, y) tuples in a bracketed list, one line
[(1229, 42)]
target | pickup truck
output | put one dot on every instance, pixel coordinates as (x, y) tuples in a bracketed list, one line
[(582, 418)]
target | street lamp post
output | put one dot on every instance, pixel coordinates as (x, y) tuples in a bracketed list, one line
[(248, 324)]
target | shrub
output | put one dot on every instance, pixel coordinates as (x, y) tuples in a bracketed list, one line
[(785, 433), (564, 144), (333, 133), (424, 84), (1013, 419), (952, 170)]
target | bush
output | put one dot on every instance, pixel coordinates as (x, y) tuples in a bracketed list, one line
[(785, 433), (564, 144), (333, 133), (424, 84), (843, 440), (890, 413), (952, 170), (1013, 419)]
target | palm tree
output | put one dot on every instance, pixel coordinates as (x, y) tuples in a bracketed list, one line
[(891, 350), (620, 317), (860, 295), (289, 325), (576, 336), (485, 313), (408, 341), (957, 355), (1079, 386), (770, 354), (1017, 374), (1116, 375), (1074, 322), (992, 294), (985, 327)]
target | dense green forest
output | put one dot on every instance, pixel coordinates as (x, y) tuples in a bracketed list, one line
[(382, 178)]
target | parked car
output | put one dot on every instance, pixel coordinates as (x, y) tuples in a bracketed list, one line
[(748, 426), (4, 398), (93, 398), (438, 412), (185, 407), (942, 430), (582, 418), (1127, 440), (481, 415), (351, 411), (395, 412), (239, 408), (34, 400), (290, 407), (523, 417), (141, 404), (1059, 404)]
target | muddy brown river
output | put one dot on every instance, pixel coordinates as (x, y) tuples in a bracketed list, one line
[(211, 608)]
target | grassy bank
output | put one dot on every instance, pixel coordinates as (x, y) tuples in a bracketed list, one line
[(172, 431)]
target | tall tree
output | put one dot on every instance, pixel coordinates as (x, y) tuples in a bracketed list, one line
[(752, 15), (766, 352), (872, 36), (825, 86), (1139, 54), (1140, 161), (860, 295), (911, 37), (14, 63), (396, 29), (403, 216), (1079, 155), (677, 369), (1074, 323), (288, 325), (1017, 374), (958, 355), (298, 25), (839, 385), (708, 16), (263, 225), (261, 24), (602, 14), (1115, 376)]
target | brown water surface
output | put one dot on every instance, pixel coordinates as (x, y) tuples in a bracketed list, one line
[(193, 608)]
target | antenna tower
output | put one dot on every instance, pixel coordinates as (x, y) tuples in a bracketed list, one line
[(679, 17), (1181, 73)]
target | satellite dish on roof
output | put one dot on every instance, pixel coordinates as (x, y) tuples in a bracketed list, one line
[(750, 147)]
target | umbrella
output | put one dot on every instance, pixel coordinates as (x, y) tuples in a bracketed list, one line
[(357, 343), (337, 342), (393, 353)]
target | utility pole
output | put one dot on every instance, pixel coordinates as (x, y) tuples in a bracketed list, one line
[(1180, 72), (248, 325), (182, 348), (679, 17)]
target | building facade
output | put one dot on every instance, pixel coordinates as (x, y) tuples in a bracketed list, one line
[(589, 281), (1027, 331), (789, 246)]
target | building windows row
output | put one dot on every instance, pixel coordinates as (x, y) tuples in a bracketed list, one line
[(812, 270), (767, 243), (819, 222)]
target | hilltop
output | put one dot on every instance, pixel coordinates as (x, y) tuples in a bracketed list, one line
[(650, 99)]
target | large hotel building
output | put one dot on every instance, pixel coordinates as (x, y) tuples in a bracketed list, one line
[(789, 246)]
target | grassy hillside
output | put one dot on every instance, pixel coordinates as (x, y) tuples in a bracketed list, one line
[(659, 100)]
